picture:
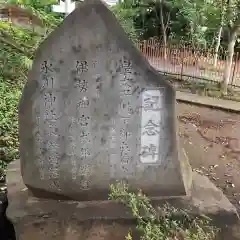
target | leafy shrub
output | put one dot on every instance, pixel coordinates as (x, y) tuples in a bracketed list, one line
[(15, 60), (8, 122), (166, 223)]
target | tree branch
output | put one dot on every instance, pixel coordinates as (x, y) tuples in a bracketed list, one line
[(168, 20), (161, 15)]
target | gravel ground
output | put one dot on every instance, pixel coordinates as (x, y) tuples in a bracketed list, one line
[(212, 141)]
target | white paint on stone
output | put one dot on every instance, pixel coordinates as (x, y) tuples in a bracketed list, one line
[(150, 126)]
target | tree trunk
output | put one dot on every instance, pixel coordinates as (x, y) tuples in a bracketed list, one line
[(165, 45), (223, 14), (217, 46), (163, 27), (229, 60)]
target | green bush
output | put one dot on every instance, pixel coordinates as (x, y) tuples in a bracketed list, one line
[(166, 223), (15, 63), (8, 122)]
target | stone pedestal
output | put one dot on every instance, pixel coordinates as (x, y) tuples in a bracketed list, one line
[(38, 219)]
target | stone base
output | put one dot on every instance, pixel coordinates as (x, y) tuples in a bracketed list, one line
[(39, 219)]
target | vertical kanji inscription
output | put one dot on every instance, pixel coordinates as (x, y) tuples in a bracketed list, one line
[(151, 125)]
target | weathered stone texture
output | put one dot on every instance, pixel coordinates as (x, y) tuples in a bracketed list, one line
[(94, 111)]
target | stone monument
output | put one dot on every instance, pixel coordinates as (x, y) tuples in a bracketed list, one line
[(94, 111)]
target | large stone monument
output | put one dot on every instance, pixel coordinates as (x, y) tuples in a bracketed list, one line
[(94, 111)]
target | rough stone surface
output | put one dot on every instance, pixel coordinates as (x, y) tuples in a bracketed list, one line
[(94, 111), (35, 218)]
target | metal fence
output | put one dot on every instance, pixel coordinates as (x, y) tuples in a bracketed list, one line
[(185, 61)]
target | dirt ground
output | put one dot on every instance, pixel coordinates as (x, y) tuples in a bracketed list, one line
[(212, 140)]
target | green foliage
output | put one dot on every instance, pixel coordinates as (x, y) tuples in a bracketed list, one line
[(16, 57), (9, 96), (195, 16), (165, 223), (15, 63), (194, 23), (125, 18), (35, 4)]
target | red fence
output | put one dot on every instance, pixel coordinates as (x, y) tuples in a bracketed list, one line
[(187, 61)]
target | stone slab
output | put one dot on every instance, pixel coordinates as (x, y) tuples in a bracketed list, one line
[(94, 111), (59, 219)]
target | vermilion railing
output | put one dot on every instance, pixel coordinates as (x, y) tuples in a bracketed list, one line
[(187, 61)]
